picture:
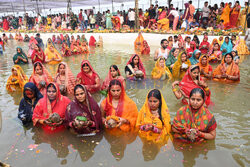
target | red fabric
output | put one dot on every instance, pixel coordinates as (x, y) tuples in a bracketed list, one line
[(44, 108), (37, 59), (32, 40), (204, 51), (146, 48), (187, 84), (107, 80), (86, 79), (5, 25), (92, 41), (189, 50), (141, 67)]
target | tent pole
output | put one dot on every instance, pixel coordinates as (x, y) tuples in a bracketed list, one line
[(136, 15), (99, 3), (12, 8), (24, 7), (112, 6)]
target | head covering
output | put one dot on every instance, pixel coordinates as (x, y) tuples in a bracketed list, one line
[(159, 71), (92, 41), (69, 78), (109, 78), (187, 84), (206, 66), (21, 54), (32, 41), (193, 59), (21, 78), (140, 65), (177, 74)]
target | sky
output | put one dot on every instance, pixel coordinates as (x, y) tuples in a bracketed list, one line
[(144, 4)]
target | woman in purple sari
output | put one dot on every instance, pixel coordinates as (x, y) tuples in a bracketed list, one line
[(83, 114)]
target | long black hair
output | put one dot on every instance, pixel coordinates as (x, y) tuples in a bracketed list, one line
[(115, 67), (157, 94)]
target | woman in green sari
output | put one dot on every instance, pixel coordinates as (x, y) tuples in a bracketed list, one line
[(20, 57), (108, 20), (172, 58)]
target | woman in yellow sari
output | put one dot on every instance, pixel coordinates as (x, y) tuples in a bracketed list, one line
[(225, 15), (119, 112), (181, 66), (163, 24), (161, 71), (154, 120), (242, 17), (52, 55), (17, 80), (242, 48)]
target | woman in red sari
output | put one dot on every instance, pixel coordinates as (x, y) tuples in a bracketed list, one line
[(38, 55), (92, 41), (204, 46), (135, 69), (145, 48), (88, 77), (5, 25), (114, 73), (234, 14), (52, 102), (83, 107), (40, 77), (194, 122), (190, 81), (191, 49)]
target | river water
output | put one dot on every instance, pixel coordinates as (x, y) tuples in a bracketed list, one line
[(31, 147)]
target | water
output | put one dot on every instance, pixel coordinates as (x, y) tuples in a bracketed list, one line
[(230, 148)]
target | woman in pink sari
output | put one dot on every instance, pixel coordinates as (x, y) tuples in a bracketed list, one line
[(216, 54), (88, 77), (32, 44), (40, 77), (49, 112), (5, 25)]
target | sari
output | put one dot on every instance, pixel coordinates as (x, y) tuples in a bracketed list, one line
[(145, 48), (138, 44), (146, 117), (65, 50), (109, 78), (75, 49), (161, 73), (92, 41), (187, 84), (36, 79), (228, 46), (176, 71), (171, 59), (45, 108), (38, 56), (126, 109), (32, 43), (69, 81), (130, 67), (87, 79), (116, 23), (22, 55), (242, 48), (202, 120), (225, 15), (232, 69), (190, 50), (203, 43), (234, 16), (90, 110), (85, 48), (163, 24), (21, 79), (212, 45), (215, 56), (193, 59), (5, 25), (242, 17), (27, 105), (206, 68), (52, 54)]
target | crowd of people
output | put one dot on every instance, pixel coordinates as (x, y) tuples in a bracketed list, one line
[(186, 63), (225, 16)]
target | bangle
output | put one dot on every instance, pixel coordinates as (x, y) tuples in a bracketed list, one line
[(174, 90), (206, 89)]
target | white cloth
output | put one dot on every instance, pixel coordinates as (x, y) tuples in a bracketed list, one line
[(85, 16), (205, 11), (131, 16), (175, 44), (175, 13), (165, 54)]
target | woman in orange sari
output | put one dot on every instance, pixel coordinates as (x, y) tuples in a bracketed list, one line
[(225, 15), (65, 79), (181, 66), (84, 48), (88, 77), (49, 112), (160, 70), (52, 55), (227, 71), (235, 14), (40, 77), (119, 112), (74, 48), (153, 120), (194, 122), (205, 67), (138, 44), (17, 80)]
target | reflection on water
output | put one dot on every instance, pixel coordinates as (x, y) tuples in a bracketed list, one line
[(231, 110)]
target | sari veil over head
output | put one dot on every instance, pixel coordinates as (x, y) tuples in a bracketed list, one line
[(21, 78), (140, 64)]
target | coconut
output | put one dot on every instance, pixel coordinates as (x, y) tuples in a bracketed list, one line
[(54, 118)]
